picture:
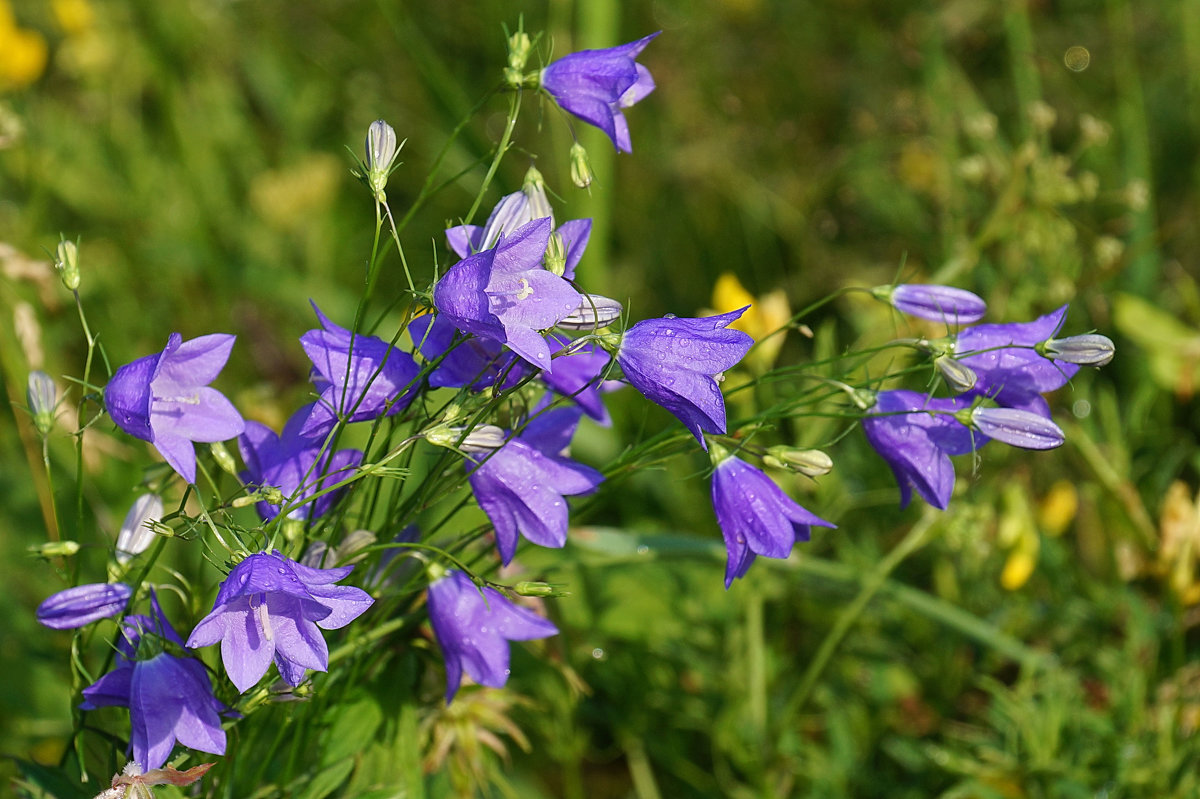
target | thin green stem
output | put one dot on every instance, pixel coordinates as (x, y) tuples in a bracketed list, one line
[(514, 110)]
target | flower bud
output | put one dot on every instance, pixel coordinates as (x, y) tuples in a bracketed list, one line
[(937, 303), (381, 154), (555, 259), (83, 605), (529, 588), (137, 531), (534, 188), (1014, 427), (519, 47), (66, 263), (958, 376), (1090, 349), (809, 462), (480, 440), (54, 549), (594, 312), (223, 458), (581, 166), (41, 396)]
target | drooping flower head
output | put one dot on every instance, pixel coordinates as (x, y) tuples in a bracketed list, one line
[(360, 377), (165, 399), (298, 466), (505, 294), (676, 364), (169, 697), (596, 85), (473, 629), (82, 605), (270, 607), (522, 486), (916, 435), (1008, 367), (755, 516)]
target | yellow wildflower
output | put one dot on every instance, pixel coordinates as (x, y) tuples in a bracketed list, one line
[(765, 316), (22, 52)]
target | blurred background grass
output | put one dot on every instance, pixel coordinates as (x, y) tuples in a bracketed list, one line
[(1042, 642)]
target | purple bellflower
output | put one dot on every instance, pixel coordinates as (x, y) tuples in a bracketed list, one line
[(676, 363), (595, 85), (83, 604), (755, 516), (513, 212), (947, 304), (299, 467), (475, 362), (169, 698), (917, 444), (505, 294), (1017, 428), (1008, 368), (271, 607), (474, 628), (165, 399), (361, 377), (522, 485)]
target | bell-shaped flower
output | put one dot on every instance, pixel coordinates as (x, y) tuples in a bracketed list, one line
[(169, 697), (677, 363), (471, 361), (755, 516), (596, 85), (916, 435), (360, 377), (1017, 428), (523, 485), (270, 607), (473, 628), (299, 467), (83, 604), (504, 294), (165, 399), (1007, 365)]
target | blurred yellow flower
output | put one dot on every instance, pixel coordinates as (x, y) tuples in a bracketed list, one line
[(1057, 509), (75, 17), (1018, 532), (766, 315), (22, 52), (1179, 545)]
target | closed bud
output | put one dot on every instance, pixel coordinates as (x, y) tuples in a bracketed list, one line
[(42, 397), (958, 376), (1014, 427), (480, 440), (581, 166), (1090, 349), (83, 604), (937, 303), (54, 549), (223, 458), (519, 47), (382, 149), (594, 312), (138, 529), (555, 259), (529, 588), (810, 462), (66, 263)]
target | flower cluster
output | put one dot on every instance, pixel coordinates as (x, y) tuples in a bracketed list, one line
[(465, 408)]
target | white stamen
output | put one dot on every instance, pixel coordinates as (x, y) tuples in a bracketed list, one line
[(264, 619), (526, 290)]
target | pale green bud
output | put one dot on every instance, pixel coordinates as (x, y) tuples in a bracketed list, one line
[(54, 549), (581, 166), (480, 440), (530, 588), (41, 396), (382, 150), (555, 259), (810, 462), (594, 312), (223, 458), (66, 263), (958, 376)]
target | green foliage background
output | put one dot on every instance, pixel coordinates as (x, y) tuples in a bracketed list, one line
[(198, 151)]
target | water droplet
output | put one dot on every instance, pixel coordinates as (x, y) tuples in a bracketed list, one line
[(642, 549), (507, 672), (670, 316), (282, 570), (598, 653)]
